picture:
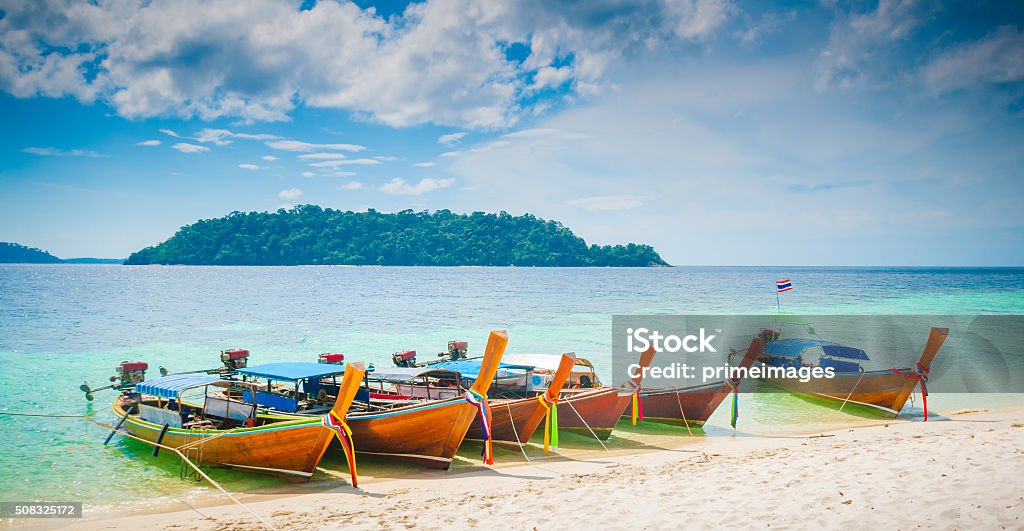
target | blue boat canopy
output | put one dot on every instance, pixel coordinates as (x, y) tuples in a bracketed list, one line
[(791, 348), (292, 371), (169, 386), (470, 369)]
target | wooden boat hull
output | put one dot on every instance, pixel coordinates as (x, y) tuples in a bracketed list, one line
[(427, 434), (282, 448), (512, 421), (882, 392), (690, 405), (594, 410)]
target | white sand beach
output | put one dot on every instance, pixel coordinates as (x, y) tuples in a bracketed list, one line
[(959, 471)]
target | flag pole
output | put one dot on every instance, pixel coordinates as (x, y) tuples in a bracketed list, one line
[(778, 305)]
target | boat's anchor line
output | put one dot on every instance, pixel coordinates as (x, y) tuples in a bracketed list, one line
[(168, 448), (598, 439)]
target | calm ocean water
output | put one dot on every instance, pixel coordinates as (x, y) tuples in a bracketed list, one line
[(61, 325)]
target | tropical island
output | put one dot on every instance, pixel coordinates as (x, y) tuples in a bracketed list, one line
[(311, 235), (15, 253)]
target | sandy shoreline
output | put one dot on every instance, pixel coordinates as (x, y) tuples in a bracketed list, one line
[(954, 472)]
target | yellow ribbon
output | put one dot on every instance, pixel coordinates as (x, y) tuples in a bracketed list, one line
[(550, 422)]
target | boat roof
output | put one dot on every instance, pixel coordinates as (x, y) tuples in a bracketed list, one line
[(169, 386), (405, 374), (544, 361), (791, 348), (470, 369), (292, 371)]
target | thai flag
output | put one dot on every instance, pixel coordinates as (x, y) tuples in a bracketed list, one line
[(783, 285)]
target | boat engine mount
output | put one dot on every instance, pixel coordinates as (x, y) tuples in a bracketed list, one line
[(404, 359), (234, 358), (457, 350)]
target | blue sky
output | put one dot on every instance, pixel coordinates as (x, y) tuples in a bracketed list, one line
[(720, 132)]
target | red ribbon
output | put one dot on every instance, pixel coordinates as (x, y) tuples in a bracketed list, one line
[(920, 374)]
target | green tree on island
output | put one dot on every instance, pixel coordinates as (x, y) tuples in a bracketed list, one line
[(309, 234)]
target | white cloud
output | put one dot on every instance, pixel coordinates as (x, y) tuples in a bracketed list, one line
[(387, 158), (399, 186), (248, 166), (344, 162), (261, 57), (351, 185), (450, 139), (451, 153), (269, 158), (322, 156), (290, 193), (425, 164), (189, 148), (55, 152), (996, 58), (607, 202), (148, 143), (308, 174), (169, 132), (296, 145), (223, 137)]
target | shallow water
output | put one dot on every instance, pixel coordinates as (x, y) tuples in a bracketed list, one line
[(61, 325)]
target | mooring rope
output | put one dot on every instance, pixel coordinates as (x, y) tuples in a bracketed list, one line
[(151, 443), (569, 401)]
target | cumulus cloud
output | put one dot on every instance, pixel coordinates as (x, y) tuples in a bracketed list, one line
[(297, 145), (996, 58), (248, 166), (440, 61), (55, 152), (290, 193), (322, 156), (450, 139), (398, 186), (185, 147), (148, 143), (861, 45)]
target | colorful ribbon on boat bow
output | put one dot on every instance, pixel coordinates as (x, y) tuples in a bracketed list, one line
[(638, 406), (480, 402), (550, 421), (344, 434), (735, 386), (921, 375)]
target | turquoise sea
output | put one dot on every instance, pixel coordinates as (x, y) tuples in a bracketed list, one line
[(61, 325)]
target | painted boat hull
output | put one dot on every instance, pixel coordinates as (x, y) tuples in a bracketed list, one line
[(881, 392), (594, 410), (289, 448), (512, 421), (690, 405), (427, 434)]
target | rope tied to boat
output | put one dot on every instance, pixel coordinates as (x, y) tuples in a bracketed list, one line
[(734, 385), (550, 421), (637, 407), (480, 401), (920, 375), (344, 433)]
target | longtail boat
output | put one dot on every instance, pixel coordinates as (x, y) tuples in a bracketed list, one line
[(693, 405), (882, 392), (515, 420), (430, 432), (588, 407), (223, 431)]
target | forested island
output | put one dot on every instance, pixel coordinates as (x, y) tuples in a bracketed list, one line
[(309, 234), (15, 253)]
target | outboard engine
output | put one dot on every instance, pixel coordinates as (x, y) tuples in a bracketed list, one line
[(128, 374), (404, 359), (457, 350), (333, 359), (235, 358)]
